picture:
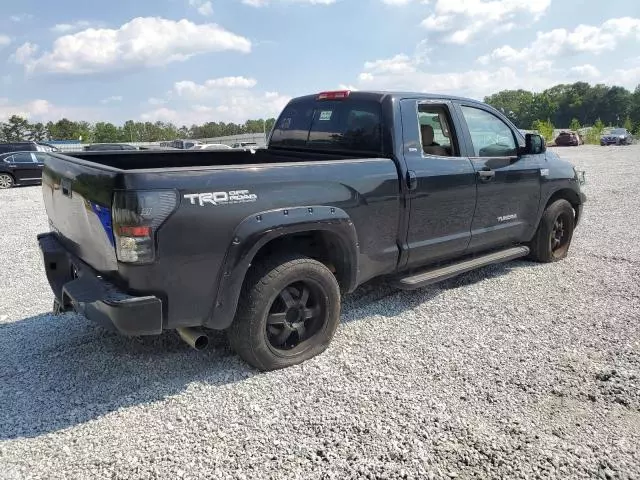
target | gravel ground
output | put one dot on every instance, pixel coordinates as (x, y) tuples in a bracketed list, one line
[(514, 371)]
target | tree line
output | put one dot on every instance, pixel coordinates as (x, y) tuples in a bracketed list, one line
[(563, 106), (571, 106), (17, 128)]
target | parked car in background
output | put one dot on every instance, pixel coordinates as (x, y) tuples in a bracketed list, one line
[(617, 136), (245, 145), (21, 168), (181, 144), (162, 146), (95, 147), (26, 147), (212, 146), (569, 139)]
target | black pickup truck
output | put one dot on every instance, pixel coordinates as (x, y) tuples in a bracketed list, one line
[(415, 188)]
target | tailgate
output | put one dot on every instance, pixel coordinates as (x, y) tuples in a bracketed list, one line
[(77, 197)]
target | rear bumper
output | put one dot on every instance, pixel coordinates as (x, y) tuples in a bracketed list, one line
[(78, 287)]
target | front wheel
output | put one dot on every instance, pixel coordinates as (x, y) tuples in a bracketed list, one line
[(288, 313), (555, 232), (6, 180)]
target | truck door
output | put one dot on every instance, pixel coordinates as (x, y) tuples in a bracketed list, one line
[(442, 186), (508, 182)]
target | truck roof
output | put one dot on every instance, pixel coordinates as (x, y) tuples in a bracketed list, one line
[(394, 94)]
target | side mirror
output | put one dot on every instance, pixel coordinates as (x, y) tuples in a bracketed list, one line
[(534, 144)]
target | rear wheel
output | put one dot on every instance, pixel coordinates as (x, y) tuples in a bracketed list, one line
[(288, 313), (555, 232), (6, 180)]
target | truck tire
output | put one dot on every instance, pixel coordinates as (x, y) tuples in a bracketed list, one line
[(6, 181), (555, 232), (288, 312)]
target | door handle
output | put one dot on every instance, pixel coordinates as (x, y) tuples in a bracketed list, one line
[(412, 180), (486, 175)]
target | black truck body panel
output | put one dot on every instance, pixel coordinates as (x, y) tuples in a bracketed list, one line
[(380, 213)]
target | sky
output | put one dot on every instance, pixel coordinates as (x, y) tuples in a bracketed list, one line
[(194, 61)]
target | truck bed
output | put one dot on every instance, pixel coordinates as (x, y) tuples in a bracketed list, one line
[(191, 245), (138, 160)]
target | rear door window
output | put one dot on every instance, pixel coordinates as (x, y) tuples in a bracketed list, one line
[(23, 157), (354, 125)]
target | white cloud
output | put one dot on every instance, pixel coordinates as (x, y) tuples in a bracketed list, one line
[(402, 73), (460, 21), (237, 107), (112, 99), (471, 83), (24, 52), (4, 40), (212, 87), (42, 111), (71, 27), (586, 70), (142, 42), (262, 3), (203, 7), (20, 17), (400, 64), (156, 101), (628, 78), (560, 42)]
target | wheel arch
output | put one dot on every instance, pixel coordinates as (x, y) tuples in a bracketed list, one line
[(322, 232), (571, 196)]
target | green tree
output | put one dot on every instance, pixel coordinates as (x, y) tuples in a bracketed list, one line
[(545, 128), (516, 105), (575, 124), (15, 129), (105, 133), (593, 135), (628, 124), (63, 129), (129, 133), (38, 132)]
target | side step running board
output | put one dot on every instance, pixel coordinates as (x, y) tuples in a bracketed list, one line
[(435, 275)]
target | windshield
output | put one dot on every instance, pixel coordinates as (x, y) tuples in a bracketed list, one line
[(618, 131), (330, 125)]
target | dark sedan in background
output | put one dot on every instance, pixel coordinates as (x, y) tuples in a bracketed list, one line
[(617, 136), (21, 168), (569, 139)]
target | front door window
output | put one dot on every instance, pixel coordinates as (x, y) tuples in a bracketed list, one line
[(491, 137)]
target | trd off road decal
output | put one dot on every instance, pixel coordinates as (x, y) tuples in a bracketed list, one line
[(221, 198)]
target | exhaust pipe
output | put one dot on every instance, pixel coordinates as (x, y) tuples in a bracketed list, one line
[(196, 338)]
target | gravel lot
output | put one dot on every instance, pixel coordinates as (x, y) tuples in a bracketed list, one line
[(514, 371)]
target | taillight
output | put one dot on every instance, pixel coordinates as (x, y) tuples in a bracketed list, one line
[(336, 95), (137, 215)]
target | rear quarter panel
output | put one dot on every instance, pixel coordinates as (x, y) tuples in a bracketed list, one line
[(194, 241)]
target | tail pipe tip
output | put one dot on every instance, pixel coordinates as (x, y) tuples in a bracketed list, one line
[(194, 337)]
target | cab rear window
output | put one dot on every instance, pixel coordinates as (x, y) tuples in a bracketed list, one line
[(353, 125)]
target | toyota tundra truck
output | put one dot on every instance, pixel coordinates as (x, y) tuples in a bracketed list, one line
[(409, 187)]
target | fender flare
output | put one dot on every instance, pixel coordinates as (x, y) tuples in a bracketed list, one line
[(255, 231), (562, 185)]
